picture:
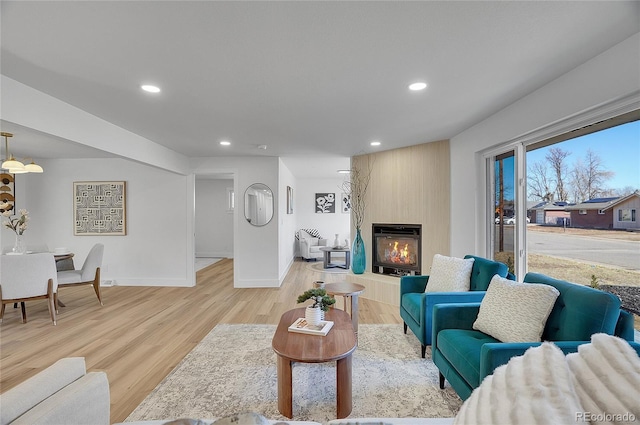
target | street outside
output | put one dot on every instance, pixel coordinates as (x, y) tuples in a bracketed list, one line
[(593, 249), (617, 249)]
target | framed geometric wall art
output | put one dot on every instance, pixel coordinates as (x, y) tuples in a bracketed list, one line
[(99, 208)]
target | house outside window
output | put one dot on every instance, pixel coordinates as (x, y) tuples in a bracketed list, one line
[(626, 214), (601, 212), (582, 212)]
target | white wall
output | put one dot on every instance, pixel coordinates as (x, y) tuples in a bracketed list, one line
[(327, 224), (255, 249), (287, 224), (214, 223), (609, 76), (156, 250)]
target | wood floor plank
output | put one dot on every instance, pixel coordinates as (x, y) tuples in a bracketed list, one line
[(142, 333)]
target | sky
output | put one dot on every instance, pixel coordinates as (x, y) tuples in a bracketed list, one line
[(618, 148)]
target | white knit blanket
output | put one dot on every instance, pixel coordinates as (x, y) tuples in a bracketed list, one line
[(600, 384), (606, 374)]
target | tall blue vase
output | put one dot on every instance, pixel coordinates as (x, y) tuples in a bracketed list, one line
[(358, 255)]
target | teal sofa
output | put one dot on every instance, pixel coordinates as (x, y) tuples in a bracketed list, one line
[(465, 356), (416, 306)]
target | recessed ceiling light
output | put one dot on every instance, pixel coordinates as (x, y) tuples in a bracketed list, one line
[(417, 86), (375, 143), (344, 171), (225, 143), (149, 88)]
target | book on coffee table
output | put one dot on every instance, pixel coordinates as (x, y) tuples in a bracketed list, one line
[(301, 326)]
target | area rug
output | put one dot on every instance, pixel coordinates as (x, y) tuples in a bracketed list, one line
[(233, 370), (318, 266)]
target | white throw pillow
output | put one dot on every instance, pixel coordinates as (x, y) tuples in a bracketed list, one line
[(515, 312), (535, 388), (606, 375), (449, 274)]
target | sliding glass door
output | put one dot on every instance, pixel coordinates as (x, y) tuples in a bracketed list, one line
[(503, 208)]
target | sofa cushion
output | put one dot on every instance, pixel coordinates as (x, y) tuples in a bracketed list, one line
[(515, 312), (449, 274), (309, 233), (535, 388), (462, 347)]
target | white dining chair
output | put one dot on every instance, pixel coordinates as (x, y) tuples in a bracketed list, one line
[(89, 274), (28, 277)]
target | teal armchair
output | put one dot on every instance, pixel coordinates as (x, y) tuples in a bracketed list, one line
[(416, 306), (465, 356)]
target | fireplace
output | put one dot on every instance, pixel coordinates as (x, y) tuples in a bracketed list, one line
[(396, 249)]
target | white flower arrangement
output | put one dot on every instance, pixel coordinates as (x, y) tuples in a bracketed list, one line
[(18, 224)]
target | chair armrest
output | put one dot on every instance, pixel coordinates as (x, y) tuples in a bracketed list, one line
[(624, 327), (410, 284), (496, 354), (453, 316)]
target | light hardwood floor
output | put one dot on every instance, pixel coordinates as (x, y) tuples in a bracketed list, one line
[(141, 334)]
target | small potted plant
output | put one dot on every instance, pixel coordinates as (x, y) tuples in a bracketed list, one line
[(321, 302)]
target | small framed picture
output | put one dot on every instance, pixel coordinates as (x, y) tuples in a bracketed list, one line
[(346, 203), (289, 200), (325, 203)]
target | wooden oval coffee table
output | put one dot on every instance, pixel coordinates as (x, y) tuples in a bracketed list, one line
[(337, 345)]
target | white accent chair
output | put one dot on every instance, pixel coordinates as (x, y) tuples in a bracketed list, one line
[(28, 277), (309, 245), (89, 274)]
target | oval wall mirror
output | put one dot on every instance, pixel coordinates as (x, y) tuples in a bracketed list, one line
[(258, 204)]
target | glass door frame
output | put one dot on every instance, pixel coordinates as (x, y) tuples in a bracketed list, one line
[(520, 203)]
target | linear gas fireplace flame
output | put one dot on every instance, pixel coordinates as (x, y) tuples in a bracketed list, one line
[(396, 249), (398, 255)]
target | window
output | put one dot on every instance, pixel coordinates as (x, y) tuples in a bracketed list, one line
[(626, 214), (510, 170)]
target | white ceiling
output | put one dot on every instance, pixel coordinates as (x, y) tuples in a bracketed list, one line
[(314, 79)]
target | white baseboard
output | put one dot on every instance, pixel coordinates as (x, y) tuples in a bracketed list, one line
[(214, 254), (152, 282)]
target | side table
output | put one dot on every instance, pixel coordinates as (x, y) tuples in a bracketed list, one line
[(347, 290), (327, 264)]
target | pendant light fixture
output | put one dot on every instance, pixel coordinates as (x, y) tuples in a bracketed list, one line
[(14, 166)]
